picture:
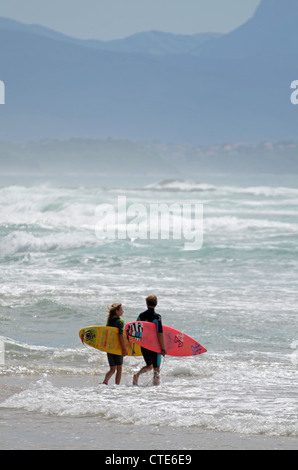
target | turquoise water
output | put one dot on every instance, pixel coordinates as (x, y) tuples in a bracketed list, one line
[(237, 295)]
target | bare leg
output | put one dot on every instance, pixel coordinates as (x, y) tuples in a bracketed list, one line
[(118, 375), (142, 371), (109, 375)]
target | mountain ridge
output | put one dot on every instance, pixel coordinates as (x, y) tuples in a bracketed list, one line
[(58, 89), (147, 42), (271, 30)]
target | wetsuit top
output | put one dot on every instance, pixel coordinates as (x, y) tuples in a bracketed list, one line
[(151, 316), (117, 322)]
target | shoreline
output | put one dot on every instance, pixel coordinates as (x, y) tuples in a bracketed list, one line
[(25, 430), (32, 430)]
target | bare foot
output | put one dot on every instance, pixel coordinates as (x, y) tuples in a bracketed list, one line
[(156, 378)]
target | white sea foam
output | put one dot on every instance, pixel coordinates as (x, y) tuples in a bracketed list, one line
[(267, 191), (233, 223), (237, 403), (180, 185), (237, 296)]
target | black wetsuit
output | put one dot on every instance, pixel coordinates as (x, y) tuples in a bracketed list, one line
[(116, 322), (151, 357)]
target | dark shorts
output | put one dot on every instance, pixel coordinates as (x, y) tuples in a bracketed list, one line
[(115, 360), (151, 357)]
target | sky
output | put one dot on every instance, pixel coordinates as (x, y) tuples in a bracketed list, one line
[(113, 19)]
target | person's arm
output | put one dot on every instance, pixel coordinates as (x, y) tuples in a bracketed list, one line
[(120, 325), (160, 335), (122, 342), (162, 343)]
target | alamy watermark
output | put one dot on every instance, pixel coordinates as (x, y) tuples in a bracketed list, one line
[(294, 95), (2, 92), (153, 221)]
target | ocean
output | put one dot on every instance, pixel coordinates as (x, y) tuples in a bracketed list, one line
[(234, 291)]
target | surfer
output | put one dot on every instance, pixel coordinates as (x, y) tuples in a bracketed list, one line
[(116, 361), (152, 359)]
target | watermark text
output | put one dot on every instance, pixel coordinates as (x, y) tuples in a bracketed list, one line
[(294, 95), (2, 92), (151, 222)]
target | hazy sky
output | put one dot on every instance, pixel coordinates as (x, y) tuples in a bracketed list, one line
[(111, 19)]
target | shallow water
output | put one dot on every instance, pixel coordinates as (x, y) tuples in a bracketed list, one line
[(237, 296)]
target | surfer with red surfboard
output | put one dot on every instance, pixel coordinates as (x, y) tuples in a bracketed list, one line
[(152, 359)]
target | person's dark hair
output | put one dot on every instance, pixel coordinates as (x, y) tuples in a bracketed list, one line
[(151, 301), (112, 310)]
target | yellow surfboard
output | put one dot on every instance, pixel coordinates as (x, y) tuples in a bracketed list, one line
[(106, 338)]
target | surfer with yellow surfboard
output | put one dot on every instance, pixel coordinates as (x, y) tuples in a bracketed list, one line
[(152, 358), (116, 361), (145, 337)]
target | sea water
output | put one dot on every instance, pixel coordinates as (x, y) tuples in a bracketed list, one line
[(236, 295)]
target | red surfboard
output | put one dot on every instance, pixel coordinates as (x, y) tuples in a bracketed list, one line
[(176, 343)]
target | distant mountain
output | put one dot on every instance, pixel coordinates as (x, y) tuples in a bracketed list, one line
[(153, 86), (271, 33), (151, 42), (156, 43)]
